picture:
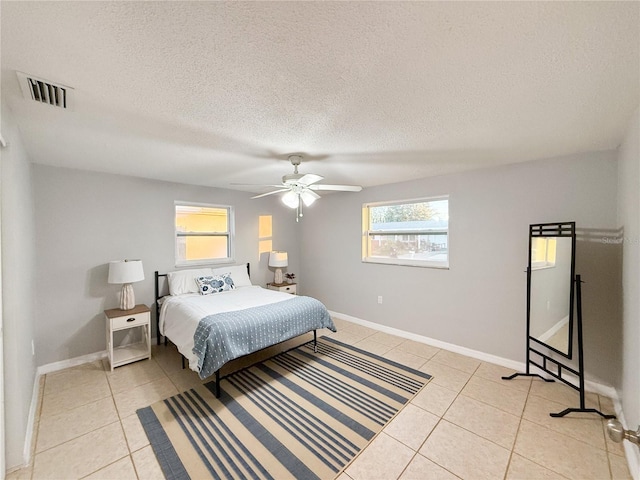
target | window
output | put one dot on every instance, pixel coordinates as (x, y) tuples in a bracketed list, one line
[(265, 234), (411, 232), (543, 252), (204, 233)]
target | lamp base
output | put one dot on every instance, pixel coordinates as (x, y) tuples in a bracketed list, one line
[(127, 298), (277, 279)]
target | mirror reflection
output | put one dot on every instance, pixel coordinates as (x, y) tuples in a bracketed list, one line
[(551, 292)]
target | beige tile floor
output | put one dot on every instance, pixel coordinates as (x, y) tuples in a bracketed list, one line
[(466, 423)]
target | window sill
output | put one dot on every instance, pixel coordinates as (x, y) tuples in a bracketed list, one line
[(205, 263), (542, 267), (407, 263)]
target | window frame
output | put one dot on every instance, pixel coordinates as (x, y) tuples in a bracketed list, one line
[(230, 234), (367, 233), (547, 262)]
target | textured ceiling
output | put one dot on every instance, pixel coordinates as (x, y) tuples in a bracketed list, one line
[(211, 93)]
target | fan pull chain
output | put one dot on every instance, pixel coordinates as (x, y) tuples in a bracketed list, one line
[(299, 210)]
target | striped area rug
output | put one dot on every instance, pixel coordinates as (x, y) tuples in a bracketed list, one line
[(300, 414)]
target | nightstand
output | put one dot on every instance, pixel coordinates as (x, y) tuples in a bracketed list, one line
[(138, 322), (283, 287)]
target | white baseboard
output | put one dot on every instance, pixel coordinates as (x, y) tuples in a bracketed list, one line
[(601, 389), (631, 451), (31, 421), (590, 386), (553, 330), (633, 459), (72, 362), (485, 357)]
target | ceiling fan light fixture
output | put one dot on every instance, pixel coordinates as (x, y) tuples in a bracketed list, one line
[(299, 188), (291, 199), (308, 198)]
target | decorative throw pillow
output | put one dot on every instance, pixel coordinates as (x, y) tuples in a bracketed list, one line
[(184, 281), (215, 283)]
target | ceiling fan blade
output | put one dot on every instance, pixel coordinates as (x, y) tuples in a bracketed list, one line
[(271, 193), (309, 178), (337, 188)]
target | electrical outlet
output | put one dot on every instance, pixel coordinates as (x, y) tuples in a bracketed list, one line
[(379, 299)]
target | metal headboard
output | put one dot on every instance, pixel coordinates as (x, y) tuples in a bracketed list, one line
[(158, 297)]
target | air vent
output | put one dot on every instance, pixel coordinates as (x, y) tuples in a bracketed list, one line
[(44, 91)]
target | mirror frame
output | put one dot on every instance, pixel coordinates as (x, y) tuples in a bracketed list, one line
[(564, 229)]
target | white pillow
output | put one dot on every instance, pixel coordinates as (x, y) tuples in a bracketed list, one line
[(184, 281), (238, 274)]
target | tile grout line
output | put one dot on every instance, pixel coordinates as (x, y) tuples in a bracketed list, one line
[(118, 420), (542, 426), (105, 466), (489, 404), (521, 416), (515, 440), (35, 454), (113, 400), (562, 433), (606, 445), (438, 423)]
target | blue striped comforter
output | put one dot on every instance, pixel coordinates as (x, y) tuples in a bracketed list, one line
[(223, 337)]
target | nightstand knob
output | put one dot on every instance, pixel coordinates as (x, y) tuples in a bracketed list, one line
[(132, 319)]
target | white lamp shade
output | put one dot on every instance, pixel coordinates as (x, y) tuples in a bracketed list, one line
[(125, 271), (278, 259), (308, 197), (291, 199)]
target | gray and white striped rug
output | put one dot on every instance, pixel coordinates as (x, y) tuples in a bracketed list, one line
[(298, 415)]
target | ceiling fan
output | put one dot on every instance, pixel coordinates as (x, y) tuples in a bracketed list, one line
[(300, 188)]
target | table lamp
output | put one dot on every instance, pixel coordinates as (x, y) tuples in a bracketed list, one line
[(278, 260), (126, 272)]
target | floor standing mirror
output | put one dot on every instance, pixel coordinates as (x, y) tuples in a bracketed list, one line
[(554, 306)]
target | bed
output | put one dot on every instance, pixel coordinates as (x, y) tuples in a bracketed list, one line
[(211, 328)]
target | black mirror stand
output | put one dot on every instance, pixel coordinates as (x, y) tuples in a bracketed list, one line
[(559, 367)]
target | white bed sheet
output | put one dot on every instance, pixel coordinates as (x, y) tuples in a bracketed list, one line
[(180, 315)]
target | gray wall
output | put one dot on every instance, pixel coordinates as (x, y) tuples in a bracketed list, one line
[(479, 303), (629, 220), (18, 293), (84, 220)]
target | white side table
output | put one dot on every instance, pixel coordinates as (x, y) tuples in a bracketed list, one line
[(139, 317), (284, 287)]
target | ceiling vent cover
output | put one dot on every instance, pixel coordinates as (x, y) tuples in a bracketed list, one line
[(44, 91)]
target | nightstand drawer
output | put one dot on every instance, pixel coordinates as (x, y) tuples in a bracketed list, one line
[(130, 321), (284, 287)]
